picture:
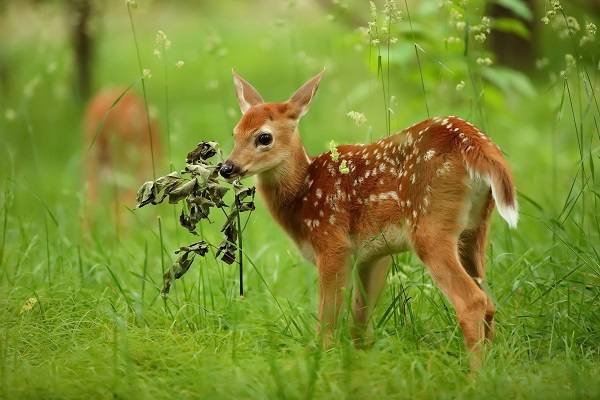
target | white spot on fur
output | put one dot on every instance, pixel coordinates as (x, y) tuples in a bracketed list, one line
[(429, 155), (444, 169)]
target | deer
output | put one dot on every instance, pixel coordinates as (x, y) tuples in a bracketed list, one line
[(430, 188), (117, 148)]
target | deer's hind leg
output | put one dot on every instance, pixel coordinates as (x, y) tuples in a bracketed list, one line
[(435, 237), (441, 259), (472, 243), (367, 289)]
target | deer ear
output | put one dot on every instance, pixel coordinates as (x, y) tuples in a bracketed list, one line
[(246, 94), (305, 94)]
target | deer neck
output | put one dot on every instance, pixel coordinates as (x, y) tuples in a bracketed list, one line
[(284, 186)]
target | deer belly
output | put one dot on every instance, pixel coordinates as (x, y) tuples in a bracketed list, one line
[(393, 239), (307, 251)]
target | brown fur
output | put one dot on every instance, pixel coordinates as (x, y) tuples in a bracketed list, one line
[(120, 149), (423, 188)]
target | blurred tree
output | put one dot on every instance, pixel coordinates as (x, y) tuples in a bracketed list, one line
[(83, 44), (514, 37), (592, 5)]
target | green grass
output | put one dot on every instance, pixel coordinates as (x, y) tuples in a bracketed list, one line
[(99, 328)]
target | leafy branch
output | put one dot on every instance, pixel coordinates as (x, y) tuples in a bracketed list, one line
[(199, 188)]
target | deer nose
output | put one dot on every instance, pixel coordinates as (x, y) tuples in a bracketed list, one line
[(227, 169)]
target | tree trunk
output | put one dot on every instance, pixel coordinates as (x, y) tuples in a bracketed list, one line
[(83, 45)]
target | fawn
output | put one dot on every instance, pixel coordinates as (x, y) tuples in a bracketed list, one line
[(117, 148), (430, 188)]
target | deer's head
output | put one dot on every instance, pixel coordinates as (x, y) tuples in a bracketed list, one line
[(267, 133)]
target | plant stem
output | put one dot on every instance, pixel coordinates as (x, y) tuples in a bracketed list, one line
[(240, 249), (141, 71), (47, 251), (162, 256), (4, 228), (166, 88)]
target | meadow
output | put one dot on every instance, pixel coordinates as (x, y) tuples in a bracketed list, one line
[(80, 312)]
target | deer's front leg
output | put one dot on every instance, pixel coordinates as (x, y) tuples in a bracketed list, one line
[(333, 274)]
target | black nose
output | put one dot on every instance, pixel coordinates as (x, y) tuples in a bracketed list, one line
[(227, 169)]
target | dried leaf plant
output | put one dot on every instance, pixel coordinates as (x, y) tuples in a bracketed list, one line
[(199, 188)]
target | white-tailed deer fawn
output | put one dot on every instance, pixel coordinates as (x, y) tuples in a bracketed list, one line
[(430, 188), (121, 149)]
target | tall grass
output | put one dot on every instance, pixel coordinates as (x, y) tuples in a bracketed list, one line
[(99, 329)]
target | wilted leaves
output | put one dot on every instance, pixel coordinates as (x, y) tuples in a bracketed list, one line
[(203, 151), (230, 229), (154, 192), (198, 186), (183, 263)]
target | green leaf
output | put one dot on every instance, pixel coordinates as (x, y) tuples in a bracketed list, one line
[(512, 25), (509, 81), (519, 7)]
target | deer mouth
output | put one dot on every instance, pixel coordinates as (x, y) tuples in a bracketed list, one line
[(236, 176)]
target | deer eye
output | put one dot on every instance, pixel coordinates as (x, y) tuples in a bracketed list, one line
[(264, 139)]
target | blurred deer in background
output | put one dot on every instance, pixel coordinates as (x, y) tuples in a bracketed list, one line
[(430, 188), (119, 152)]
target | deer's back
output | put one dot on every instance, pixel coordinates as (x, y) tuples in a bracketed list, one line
[(373, 196)]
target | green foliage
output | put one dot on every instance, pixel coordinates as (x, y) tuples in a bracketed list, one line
[(509, 81), (97, 327), (519, 7)]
